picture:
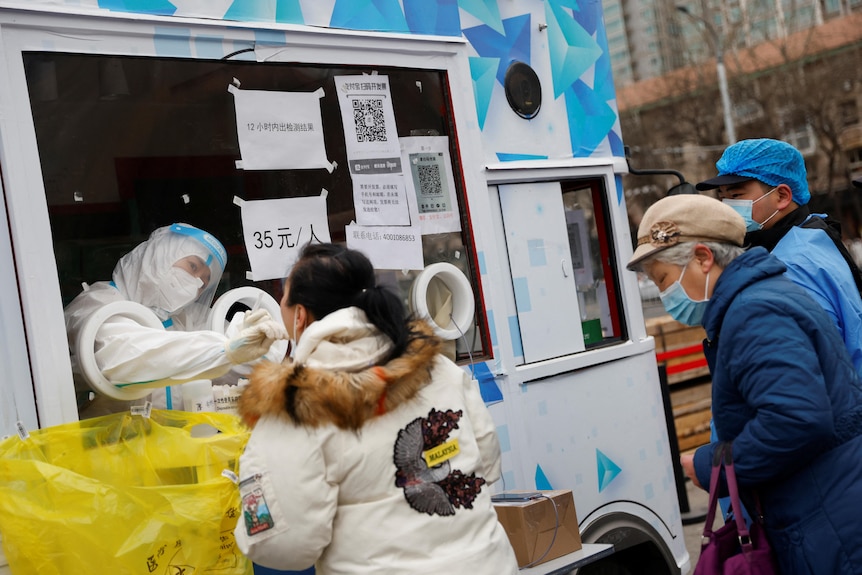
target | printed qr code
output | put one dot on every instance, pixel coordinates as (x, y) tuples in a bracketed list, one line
[(429, 180), (368, 119)]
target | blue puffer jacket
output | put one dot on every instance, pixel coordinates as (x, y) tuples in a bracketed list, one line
[(787, 396)]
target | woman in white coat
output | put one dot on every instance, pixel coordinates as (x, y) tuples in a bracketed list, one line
[(175, 274), (370, 452)]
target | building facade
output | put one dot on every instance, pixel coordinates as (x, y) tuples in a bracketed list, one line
[(803, 88), (648, 38)]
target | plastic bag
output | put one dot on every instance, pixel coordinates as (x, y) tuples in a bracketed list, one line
[(124, 494)]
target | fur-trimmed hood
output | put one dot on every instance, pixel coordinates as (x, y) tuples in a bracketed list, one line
[(313, 395)]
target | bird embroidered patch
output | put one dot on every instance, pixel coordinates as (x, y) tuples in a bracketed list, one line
[(423, 454)]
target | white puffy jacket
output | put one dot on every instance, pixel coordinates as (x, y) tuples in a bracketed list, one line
[(337, 474)]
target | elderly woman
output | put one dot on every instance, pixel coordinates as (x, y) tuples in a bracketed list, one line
[(784, 391), (371, 452)]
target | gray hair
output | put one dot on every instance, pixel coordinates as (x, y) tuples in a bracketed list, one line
[(681, 254)]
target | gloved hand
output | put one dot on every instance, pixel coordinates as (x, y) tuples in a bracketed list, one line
[(254, 340), (252, 318)]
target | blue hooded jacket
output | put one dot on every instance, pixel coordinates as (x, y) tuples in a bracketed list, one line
[(786, 394)]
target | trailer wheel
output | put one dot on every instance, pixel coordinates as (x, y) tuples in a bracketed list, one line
[(638, 549)]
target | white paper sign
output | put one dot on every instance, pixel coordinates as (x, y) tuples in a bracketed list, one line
[(380, 200), (369, 124), (275, 231), (279, 130), (429, 178), (388, 248)]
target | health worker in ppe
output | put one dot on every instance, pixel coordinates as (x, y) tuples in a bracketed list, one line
[(175, 274)]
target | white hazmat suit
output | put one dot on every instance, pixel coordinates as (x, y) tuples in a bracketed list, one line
[(127, 352)]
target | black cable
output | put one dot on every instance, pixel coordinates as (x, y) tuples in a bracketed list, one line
[(232, 54)]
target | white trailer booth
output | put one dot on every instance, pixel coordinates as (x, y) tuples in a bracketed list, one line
[(472, 145)]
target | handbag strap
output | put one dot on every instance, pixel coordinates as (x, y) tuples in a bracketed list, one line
[(723, 457)]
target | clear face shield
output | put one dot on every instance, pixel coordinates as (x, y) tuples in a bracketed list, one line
[(175, 273), (187, 279)]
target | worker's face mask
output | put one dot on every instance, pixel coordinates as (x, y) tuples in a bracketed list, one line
[(178, 288), (680, 306), (744, 209)]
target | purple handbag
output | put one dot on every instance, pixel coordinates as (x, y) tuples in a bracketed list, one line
[(733, 549)]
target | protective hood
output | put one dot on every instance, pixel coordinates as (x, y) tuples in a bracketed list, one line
[(145, 274)]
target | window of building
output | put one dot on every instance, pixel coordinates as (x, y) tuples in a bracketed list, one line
[(802, 137), (854, 158), (747, 111), (832, 7), (848, 111)]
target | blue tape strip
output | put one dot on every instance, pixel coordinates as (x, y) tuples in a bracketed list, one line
[(487, 384)]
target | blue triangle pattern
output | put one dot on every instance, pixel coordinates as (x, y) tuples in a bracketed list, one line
[(590, 119), (588, 15), (604, 81), (486, 11), (542, 483), (573, 51), (249, 11), (617, 147), (608, 470), (158, 7), (513, 45), (482, 73), (380, 15), (289, 12), (619, 181), (441, 18), (504, 157), (572, 4)]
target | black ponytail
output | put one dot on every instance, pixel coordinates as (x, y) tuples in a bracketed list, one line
[(328, 277), (385, 310)]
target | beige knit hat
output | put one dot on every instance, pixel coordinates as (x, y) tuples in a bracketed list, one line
[(686, 218)]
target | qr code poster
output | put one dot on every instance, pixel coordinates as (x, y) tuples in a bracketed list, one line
[(370, 133), (431, 181), (279, 130)]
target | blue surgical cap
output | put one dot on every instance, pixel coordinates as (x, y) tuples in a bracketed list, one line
[(770, 161)]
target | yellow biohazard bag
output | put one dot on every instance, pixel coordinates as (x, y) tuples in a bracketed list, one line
[(124, 494)]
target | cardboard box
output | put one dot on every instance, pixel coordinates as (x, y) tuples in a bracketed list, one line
[(531, 524)]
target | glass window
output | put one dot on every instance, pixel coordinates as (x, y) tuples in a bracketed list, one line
[(593, 260), (561, 262), (848, 112), (129, 144)]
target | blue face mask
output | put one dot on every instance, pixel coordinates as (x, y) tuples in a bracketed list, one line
[(681, 307), (744, 207)]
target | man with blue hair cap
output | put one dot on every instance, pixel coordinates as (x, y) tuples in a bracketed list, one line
[(765, 181)]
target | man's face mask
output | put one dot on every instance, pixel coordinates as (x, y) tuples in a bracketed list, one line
[(680, 306), (178, 288), (744, 209)]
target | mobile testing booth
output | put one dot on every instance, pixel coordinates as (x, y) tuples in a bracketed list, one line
[(471, 148)]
